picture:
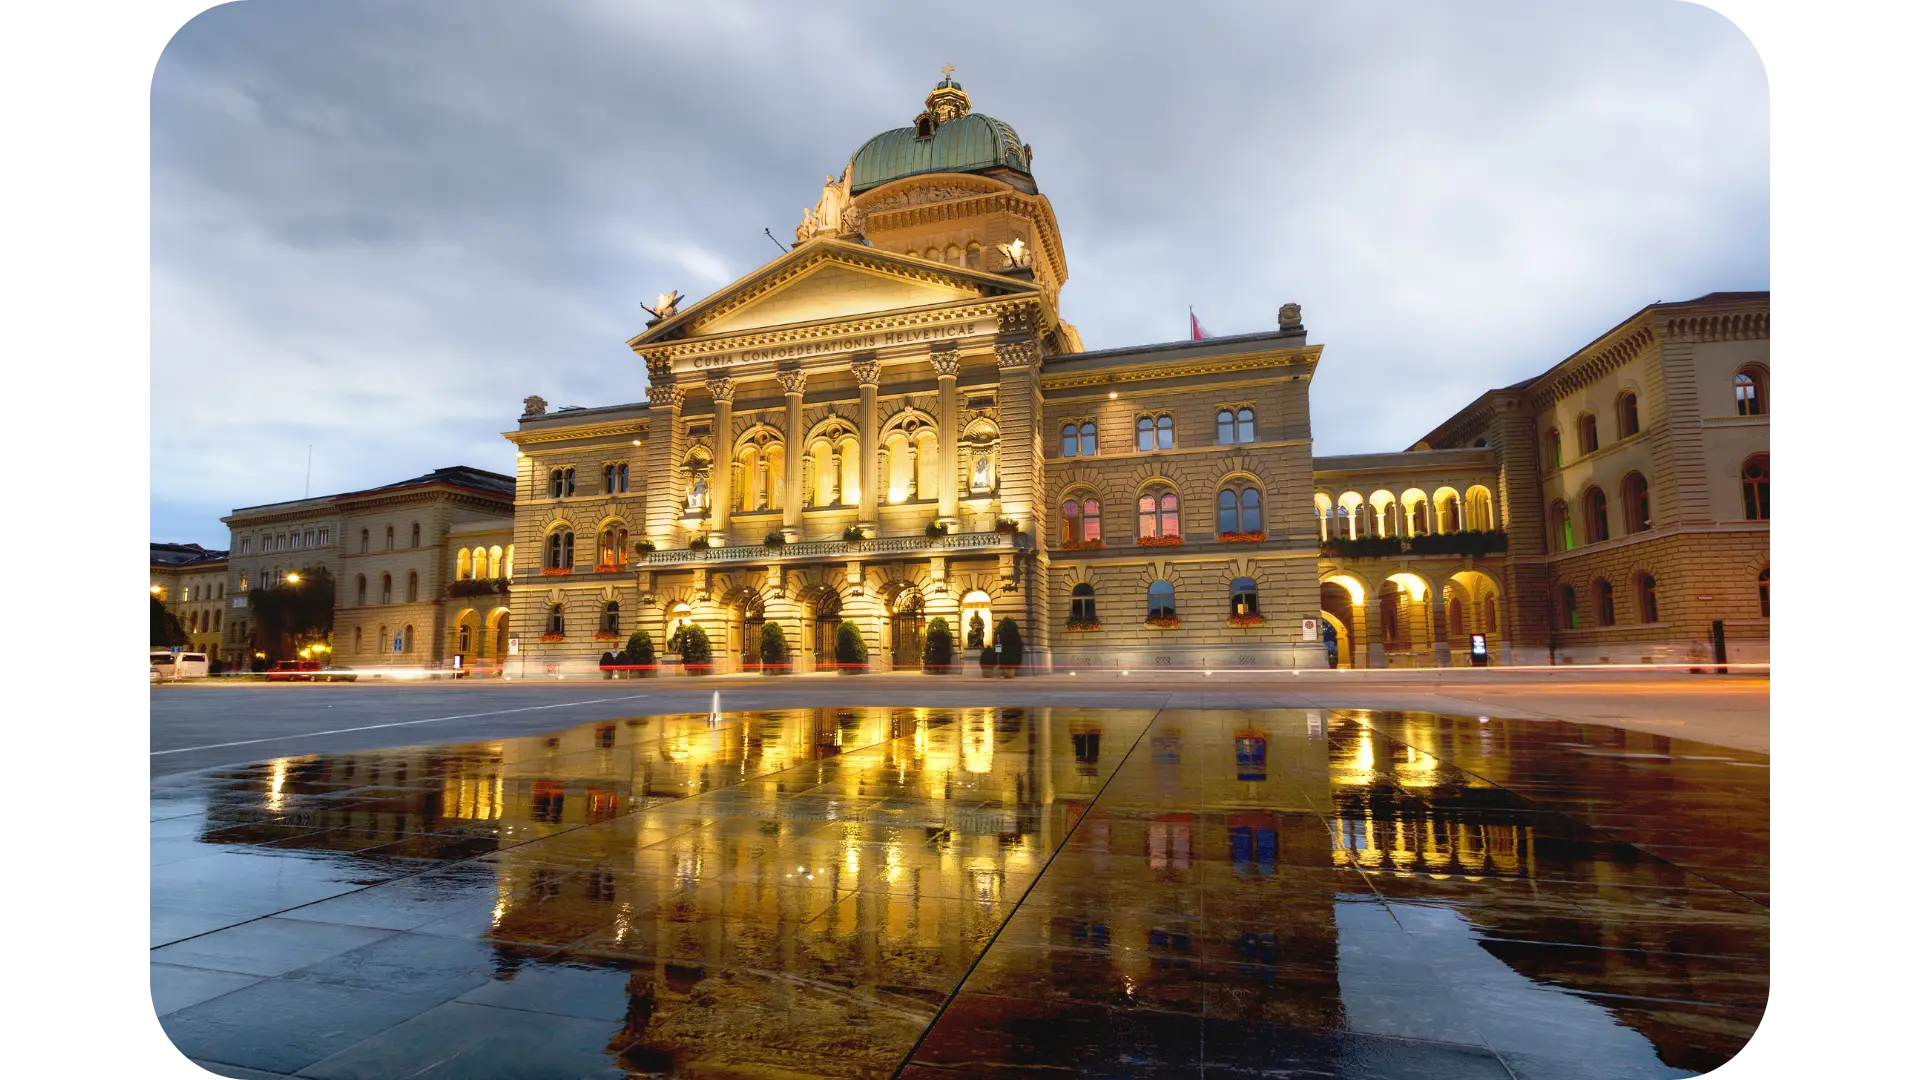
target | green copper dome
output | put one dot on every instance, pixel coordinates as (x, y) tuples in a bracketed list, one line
[(969, 143)]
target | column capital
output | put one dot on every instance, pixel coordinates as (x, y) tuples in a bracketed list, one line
[(671, 396), (793, 382), (659, 369), (867, 372), (946, 363), (1015, 354), (721, 387)]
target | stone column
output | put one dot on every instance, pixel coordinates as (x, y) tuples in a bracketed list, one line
[(721, 487), (1021, 483), (665, 444), (795, 384), (946, 364), (868, 372)]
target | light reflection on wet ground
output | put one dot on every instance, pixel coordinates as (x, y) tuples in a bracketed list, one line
[(991, 892)]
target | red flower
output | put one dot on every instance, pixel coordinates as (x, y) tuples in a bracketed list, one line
[(1160, 541), (556, 571)]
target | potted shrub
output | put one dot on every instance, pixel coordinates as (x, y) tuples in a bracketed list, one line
[(853, 533), (699, 543), (696, 652), (776, 540), (775, 657), (937, 655), (989, 661), (1012, 650), (637, 657), (849, 649), (936, 528), (607, 660), (1006, 526)]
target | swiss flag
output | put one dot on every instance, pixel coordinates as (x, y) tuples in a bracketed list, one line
[(1198, 331)]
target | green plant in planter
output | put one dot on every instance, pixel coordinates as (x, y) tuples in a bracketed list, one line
[(776, 540), (935, 528), (987, 661), (638, 653), (938, 654), (849, 648), (853, 533), (643, 547), (607, 660), (695, 649), (699, 543), (774, 654), (1012, 650)]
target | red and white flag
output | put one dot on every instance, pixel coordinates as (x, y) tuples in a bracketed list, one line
[(1198, 331)]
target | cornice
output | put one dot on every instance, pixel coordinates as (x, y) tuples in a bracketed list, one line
[(1596, 360), (1748, 325), (583, 431), (1174, 367), (660, 354)]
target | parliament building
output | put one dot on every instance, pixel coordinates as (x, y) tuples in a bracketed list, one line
[(893, 422)]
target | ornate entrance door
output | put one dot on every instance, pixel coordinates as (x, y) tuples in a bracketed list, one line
[(826, 623), (906, 633)]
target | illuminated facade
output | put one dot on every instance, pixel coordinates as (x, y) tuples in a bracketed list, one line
[(192, 582), (892, 422)]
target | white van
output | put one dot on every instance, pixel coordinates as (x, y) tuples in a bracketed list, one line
[(172, 665)]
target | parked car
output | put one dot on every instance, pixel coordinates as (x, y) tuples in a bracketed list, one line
[(293, 671), (336, 673)]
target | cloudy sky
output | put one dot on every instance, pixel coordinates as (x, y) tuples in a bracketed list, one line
[(378, 226)]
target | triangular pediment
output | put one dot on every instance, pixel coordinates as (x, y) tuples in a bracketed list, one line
[(826, 280)]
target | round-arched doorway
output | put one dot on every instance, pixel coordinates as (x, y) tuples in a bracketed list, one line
[(909, 618)]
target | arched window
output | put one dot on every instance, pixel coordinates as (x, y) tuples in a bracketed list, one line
[(1154, 432), (413, 586), (414, 541), (1163, 432), (613, 547), (243, 581), (406, 638), (389, 538), (1239, 511), (1648, 599), (1159, 513), (1589, 434), (386, 588), (482, 566), (560, 483), (1243, 597), (359, 639), (1143, 433), (1753, 487), (610, 617), (1080, 521), (1569, 608), (1490, 615), (1627, 414), (976, 259), (556, 620), (1595, 507), (1479, 515), (360, 589), (1603, 601), (1243, 423), (1080, 607), (1160, 599), (1449, 506), (380, 644), (1750, 391), (1070, 440), (1766, 593), (1456, 619), (363, 541), (1636, 502), (463, 565), (1559, 527), (1553, 448), (466, 639), (560, 549), (1223, 425)]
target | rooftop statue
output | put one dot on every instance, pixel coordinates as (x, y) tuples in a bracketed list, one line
[(824, 218)]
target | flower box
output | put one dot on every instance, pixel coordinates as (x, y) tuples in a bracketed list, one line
[(606, 635), (1164, 622), (1006, 526), (553, 637), (699, 543), (643, 547), (1246, 620), (556, 571), (1083, 545), (1160, 541), (1076, 625), (1254, 537)]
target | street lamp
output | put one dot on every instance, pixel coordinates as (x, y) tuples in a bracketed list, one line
[(293, 578)]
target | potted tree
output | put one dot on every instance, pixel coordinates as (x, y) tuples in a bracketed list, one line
[(988, 659), (607, 661), (775, 657), (696, 652), (1012, 650), (938, 654), (637, 657), (849, 649)]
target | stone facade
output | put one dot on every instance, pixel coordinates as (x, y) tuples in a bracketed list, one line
[(192, 582)]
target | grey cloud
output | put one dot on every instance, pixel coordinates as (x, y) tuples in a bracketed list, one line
[(377, 226)]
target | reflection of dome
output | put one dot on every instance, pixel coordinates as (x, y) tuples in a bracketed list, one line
[(947, 137)]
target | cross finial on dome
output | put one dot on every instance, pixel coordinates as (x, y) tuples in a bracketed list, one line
[(947, 70)]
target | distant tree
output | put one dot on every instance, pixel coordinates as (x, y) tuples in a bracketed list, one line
[(166, 629), (286, 615)]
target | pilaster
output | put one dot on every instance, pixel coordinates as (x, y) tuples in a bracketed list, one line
[(795, 384), (867, 371), (721, 487)]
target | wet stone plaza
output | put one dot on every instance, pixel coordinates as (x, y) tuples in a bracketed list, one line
[(1002, 892)]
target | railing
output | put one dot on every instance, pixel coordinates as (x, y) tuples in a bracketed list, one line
[(814, 549), (1471, 543)]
